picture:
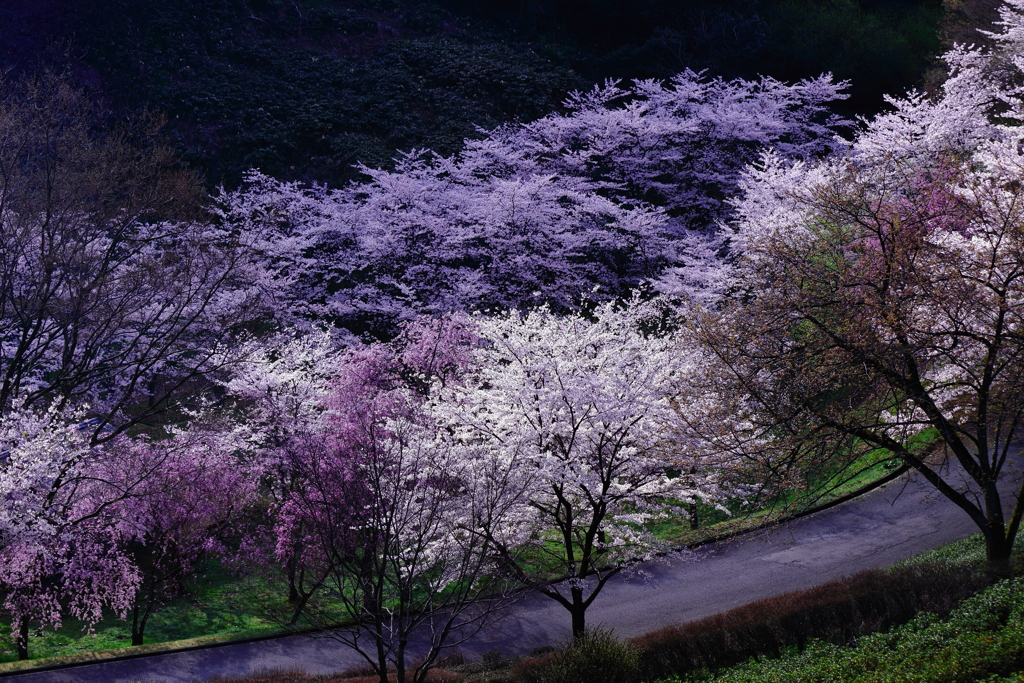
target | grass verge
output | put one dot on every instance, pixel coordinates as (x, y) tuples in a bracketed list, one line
[(219, 609)]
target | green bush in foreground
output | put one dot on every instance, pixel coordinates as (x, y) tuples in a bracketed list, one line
[(983, 639), (595, 657)]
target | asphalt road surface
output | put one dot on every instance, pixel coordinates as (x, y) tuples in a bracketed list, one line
[(903, 518)]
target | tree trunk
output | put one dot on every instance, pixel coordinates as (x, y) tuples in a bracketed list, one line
[(579, 614), (136, 633), (694, 520), (139, 624), (997, 544), (147, 597), (293, 575), (382, 659), (23, 639), (997, 551), (400, 661), (300, 604)]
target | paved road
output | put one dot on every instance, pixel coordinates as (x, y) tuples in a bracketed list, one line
[(898, 520)]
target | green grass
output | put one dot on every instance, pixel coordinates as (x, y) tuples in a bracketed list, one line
[(219, 609), (966, 551), (829, 487)]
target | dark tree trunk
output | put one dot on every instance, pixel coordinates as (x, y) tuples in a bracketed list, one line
[(997, 551), (694, 519), (136, 633), (579, 613), (291, 569), (22, 644), (146, 599), (138, 625), (300, 604)]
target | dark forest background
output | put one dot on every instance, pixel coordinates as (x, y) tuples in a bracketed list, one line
[(304, 89)]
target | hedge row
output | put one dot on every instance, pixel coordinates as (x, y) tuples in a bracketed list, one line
[(839, 611), (982, 640)]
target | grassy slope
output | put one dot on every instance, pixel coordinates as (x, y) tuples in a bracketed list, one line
[(983, 639), (218, 609)]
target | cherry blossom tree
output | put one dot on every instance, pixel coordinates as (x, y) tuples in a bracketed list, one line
[(376, 521), (115, 291), (576, 409), (878, 296), (681, 144), (60, 536), (281, 388), (624, 189), (439, 235), (191, 495)]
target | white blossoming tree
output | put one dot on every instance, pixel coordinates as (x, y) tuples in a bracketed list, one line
[(575, 409), (880, 296), (60, 541)]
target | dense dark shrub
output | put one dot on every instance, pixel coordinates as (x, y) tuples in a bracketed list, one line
[(838, 611), (304, 90), (531, 669), (595, 657)]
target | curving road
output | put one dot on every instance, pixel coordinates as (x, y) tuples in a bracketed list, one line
[(903, 518)]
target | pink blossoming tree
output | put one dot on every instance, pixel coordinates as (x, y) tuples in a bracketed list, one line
[(60, 536), (377, 522), (191, 498)]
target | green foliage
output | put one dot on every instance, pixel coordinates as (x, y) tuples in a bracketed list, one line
[(596, 657), (982, 638)]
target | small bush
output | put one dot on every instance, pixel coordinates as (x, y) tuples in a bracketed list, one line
[(531, 669), (595, 657)]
